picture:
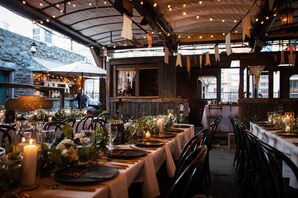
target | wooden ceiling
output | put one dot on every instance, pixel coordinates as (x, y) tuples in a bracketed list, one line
[(99, 23)]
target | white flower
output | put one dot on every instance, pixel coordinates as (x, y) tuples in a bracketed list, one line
[(60, 147), (72, 153), (67, 141), (85, 140), (65, 153)]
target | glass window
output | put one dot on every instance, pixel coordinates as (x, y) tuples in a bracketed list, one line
[(207, 87), (36, 34), (48, 37), (293, 86), (276, 84), (126, 83), (230, 85), (263, 91)]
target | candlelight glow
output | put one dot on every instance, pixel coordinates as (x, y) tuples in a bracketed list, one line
[(23, 140), (30, 141)]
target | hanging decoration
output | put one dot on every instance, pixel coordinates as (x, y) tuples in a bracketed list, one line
[(207, 61), (228, 44), (179, 60), (149, 40), (188, 65), (201, 61), (166, 57), (282, 57), (97, 3), (216, 52), (292, 57), (246, 26), (256, 72), (126, 28)]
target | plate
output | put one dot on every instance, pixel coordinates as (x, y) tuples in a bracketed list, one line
[(164, 135), (173, 130), (181, 126), (149, 143), (85, 174), (126, 153), (262, 122)]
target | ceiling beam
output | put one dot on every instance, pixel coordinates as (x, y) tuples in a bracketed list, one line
[(34, 14)]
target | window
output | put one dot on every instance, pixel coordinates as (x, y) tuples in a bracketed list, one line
[(129, 85), (263, 91), (230, 85), (207, 87), (36, 34), (293, 86), (48, 37), (276, 84)]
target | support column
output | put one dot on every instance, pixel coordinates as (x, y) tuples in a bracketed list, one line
[(241, 82), (270, 82)]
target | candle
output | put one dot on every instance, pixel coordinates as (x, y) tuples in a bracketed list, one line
[(147, 135), (160, 123), (29, 164), (288, 128), (22, 144), (50, 119)]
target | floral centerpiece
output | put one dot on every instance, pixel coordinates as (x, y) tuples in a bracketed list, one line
[(148, 123)]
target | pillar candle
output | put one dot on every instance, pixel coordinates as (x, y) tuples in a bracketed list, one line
[(160, 123), (22, 144), (50, 119), (29, 164)]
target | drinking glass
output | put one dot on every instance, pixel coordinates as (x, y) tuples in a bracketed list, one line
[(112, 132), (47, 137)]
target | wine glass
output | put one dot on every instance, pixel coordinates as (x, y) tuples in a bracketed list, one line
[(112, 132), (47, 137)]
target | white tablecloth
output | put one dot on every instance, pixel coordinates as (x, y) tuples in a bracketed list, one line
[(285, 145), (220, 110), (145, 170)]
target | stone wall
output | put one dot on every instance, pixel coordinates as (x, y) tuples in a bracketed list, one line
[(15, 54)]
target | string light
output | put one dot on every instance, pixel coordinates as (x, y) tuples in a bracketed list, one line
[(257, 19), (211, 36), (47, 20), (223, 20), (235, 21), (201, 37), (24, 2), (198, 17), (211, 19), (105, 2), (200, 2), (90, 4), (267, 17), (170, 9), (188, 37), (57, 5), (54, 16), (179, 36), (155, 4), (74, 5), (40, 4), (69, 3), (262, 22), (184, 13), (184, 5), (223, 34)]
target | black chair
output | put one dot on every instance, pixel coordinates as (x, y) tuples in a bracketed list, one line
[(185, 156), (84, 123), (187, 185), (58, 126), (7, 131)]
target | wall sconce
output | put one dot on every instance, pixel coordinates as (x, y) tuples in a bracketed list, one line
[(33, 48)]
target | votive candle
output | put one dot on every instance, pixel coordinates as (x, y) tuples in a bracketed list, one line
[(147, 135), (50, 119), (22, 144), (29, 164)]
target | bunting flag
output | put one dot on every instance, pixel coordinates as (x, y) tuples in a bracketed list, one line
[(179, 60), (207, 61), (126, 28), (292, 57), (228, 44), (246, 26), (201, 60), (96, 3), (149, 40), (216, 51), (282, 57), (188, 65), (166, 57)]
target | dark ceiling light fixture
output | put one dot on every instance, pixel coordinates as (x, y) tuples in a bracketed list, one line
[(33, 48), (144, 21), (286, 15)]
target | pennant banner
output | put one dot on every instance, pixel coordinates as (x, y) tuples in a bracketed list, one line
[(216, 52), (228, 44), (207, 61), (246, 25), (166, 57), (201, 60), (188, 65), (126, 28), (178, 60), (149, 40)]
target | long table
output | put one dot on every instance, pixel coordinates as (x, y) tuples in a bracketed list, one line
[(143, 170), (224, 110), (286, 145)]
